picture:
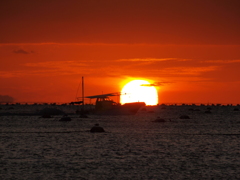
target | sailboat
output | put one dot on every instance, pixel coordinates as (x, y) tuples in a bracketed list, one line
[(82, 111), (105, 106)]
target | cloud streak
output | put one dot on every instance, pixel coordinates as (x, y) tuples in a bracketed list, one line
[(150, 59), (6, 99), (188, 70), (22, 51), (162, 83), (222, 61)]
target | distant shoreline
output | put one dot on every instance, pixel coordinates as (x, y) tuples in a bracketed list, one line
[(167, 104), (162, 104)]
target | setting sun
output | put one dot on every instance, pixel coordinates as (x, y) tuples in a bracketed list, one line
[(139, 91)]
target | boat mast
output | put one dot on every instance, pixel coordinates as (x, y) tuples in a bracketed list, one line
[(83, 113), (82, 94)]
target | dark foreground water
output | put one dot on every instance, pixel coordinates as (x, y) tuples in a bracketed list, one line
[(206, 146)]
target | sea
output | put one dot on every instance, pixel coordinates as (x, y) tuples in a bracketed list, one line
[(194, 142)]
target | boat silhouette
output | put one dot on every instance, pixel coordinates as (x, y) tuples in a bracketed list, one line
[(105, 106)]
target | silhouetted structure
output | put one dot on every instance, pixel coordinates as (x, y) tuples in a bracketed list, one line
[(106, 106)]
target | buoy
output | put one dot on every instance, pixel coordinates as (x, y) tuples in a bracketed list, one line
[(208, 112), (159, 120), (97, 128), (46, 116), (184, 117), (83, 116), (65, 118)]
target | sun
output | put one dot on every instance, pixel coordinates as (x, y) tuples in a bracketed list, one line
[(139, 91)]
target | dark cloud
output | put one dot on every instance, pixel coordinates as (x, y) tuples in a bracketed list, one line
[(156, 84), (21, 51), (6, 99)]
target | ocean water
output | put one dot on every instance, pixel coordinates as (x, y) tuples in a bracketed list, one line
[(206, 146)]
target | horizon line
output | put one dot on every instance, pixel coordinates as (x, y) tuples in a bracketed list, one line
[(159, 104)]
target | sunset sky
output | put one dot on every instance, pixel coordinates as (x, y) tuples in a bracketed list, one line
[(189, 48)]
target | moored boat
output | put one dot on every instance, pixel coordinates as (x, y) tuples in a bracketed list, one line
[(105, 106)]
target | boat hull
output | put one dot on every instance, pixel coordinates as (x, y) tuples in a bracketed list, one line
[(126, 109)]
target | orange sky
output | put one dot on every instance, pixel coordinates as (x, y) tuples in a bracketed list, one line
[(190, 48)]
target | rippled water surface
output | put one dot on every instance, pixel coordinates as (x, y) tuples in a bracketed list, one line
[(206, 146)]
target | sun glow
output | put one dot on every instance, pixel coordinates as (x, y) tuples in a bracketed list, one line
[(139, 91)]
